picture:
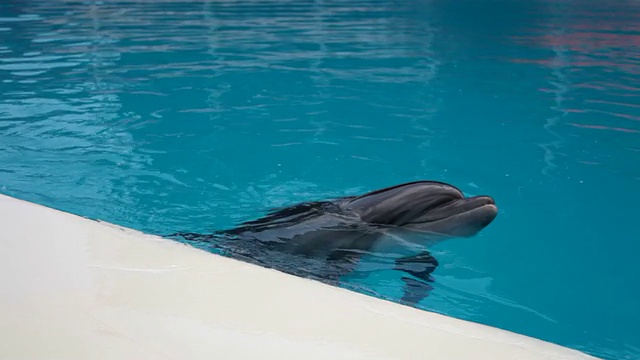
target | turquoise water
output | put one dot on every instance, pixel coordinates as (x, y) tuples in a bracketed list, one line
[(195, 115)]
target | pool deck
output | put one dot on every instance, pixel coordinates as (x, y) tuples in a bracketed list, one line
[(74, 288)]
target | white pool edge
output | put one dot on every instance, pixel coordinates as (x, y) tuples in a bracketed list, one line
[(75, 288)]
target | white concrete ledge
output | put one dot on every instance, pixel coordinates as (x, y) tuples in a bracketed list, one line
[(73, 288)]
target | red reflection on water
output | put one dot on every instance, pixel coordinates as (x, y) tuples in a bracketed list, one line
[(607, 38), (613, 62), (615, 102), (611, 24), (602, 127), (622, 115), (591, 39)]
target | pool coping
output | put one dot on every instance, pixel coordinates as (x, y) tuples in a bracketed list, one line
[(76, 288)]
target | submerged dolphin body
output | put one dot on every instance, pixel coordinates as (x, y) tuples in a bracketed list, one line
[(325, 240)]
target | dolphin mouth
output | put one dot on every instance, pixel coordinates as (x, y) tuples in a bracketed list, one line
[(477, 206), (463, 217)]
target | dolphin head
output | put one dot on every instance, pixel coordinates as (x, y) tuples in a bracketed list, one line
[(426, 206)]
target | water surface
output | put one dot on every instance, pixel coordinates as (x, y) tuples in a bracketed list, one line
[(195, 115)]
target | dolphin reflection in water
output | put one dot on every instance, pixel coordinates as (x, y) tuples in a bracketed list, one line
[(326, 240)]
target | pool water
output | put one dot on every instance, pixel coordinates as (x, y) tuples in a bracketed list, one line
[(197, 115)]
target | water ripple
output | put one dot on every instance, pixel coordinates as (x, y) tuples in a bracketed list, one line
[(166, 115)]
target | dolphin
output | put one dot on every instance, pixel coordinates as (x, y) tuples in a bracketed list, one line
[(325, 240)]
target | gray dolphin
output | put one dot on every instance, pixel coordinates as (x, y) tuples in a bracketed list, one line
[(325, 240)]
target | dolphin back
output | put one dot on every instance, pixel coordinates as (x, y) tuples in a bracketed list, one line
[(285, 217)]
